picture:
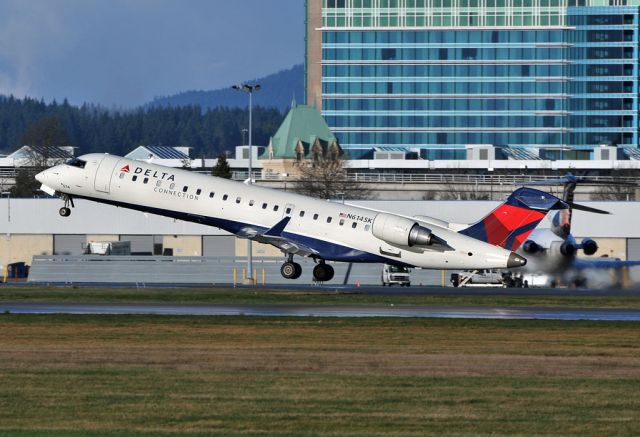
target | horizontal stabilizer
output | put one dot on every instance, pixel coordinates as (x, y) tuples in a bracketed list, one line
[(588, 209)]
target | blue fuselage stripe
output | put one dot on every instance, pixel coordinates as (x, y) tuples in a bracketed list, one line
[(326, 250)]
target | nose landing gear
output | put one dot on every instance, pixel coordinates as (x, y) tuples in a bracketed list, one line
[(65, 211)]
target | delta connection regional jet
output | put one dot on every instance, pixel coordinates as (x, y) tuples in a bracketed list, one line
[(300, 225)]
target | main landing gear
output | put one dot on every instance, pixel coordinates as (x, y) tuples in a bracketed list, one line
[(322, 272), (290, 269), (65, 211)]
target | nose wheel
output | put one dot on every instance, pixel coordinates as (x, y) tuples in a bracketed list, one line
[(65, 211)]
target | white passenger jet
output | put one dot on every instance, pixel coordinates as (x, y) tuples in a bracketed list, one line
[(300, 225)]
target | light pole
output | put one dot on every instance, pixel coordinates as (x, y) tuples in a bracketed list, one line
[(249, 88), (8, 234)]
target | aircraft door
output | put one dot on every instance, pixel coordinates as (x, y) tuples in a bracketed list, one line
[(104, 173)]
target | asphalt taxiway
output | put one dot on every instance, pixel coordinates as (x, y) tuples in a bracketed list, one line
[(287, 310)]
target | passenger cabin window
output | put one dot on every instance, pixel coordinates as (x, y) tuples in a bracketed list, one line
[(288, 211), (301, 213), (367, 227), (225, 197), (315, 216), (211, 195), (184, 189), (198, 191), (172, 186), (264, 206), (145, 180), (238, 200), (341, 222), (275, 207), (251, 202), (134, 178), (329, 219), (75, 162), (158, 183), (121, 175), (353, 225)]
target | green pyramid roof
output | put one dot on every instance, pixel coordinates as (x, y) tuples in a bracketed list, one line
[(302, 124)]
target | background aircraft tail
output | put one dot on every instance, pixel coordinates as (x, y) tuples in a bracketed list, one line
[(510, 224)]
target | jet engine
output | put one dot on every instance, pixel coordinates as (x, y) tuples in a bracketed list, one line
[(589, 246), (402, 231), (531, 246), (568, 249)]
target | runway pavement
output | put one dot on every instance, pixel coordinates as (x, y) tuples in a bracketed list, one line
[(465, 312)]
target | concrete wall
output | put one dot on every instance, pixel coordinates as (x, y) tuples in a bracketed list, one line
[(183, 245), (22, 247)]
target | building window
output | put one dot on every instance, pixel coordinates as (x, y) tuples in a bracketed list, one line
[(198, 191), (134, 178), (184, 189), (145, 180)]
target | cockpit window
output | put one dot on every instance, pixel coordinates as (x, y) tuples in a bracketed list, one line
[(75, 162)]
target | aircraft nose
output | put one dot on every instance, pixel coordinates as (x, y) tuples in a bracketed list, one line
[(42, 176), (515, 260)]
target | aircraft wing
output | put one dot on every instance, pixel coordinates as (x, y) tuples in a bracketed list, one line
[(603, 263), (274, 237)]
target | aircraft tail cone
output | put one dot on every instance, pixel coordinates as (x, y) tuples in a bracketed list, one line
[(516, 260)]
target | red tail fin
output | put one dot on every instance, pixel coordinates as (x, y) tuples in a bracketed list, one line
[(510, 224)]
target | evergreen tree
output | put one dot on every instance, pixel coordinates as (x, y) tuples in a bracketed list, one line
[(26, 185), (222, 169)]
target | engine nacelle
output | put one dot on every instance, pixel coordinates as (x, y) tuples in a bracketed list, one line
[(531, 246), (589, 246), (401, 231), (568, 249)]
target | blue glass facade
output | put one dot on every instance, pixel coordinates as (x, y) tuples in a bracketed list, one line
[(557, 90)]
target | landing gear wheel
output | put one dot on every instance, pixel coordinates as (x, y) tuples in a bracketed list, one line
[(65, 212), (323, 272), (291, 270), (298, 271)]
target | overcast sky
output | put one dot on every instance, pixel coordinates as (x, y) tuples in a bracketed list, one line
[(125, 52)]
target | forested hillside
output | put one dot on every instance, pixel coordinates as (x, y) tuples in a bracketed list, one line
[(278, 90), (95, 129)]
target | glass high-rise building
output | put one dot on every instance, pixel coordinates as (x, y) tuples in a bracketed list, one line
[(539, 78)]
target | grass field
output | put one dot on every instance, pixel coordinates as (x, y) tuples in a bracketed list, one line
[(325, 296), (149, 375)]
